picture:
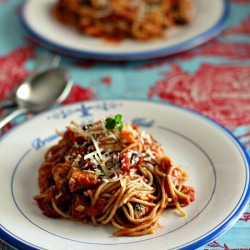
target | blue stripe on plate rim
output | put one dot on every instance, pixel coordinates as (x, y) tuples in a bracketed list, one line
[(221, 228), (183, 46)]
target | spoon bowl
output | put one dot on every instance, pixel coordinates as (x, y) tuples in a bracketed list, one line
[(43, 90), (39, 93)]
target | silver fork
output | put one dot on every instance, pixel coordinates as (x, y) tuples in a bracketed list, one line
[(43, 62)]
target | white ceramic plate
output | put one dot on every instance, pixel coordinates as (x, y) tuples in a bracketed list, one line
[(38, 22), (216, 162)]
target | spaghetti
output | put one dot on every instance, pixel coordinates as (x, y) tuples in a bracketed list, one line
[(119, 19), (118, 175)]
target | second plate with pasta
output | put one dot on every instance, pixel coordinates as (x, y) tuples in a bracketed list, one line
[(36, 18)]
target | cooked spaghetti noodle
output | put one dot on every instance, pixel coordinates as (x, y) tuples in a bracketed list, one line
[(118, 175), (119, 19)]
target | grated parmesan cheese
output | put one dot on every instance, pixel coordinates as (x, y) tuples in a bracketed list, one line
[(102, 151)]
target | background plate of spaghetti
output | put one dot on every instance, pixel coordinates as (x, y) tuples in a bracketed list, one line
[(207, 21), (216, 163)]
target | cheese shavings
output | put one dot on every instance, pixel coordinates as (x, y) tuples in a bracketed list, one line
[(112, 152)]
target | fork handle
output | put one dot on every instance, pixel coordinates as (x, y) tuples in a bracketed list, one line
[(8, 103)]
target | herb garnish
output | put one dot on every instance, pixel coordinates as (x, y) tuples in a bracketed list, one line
[(112, 122)]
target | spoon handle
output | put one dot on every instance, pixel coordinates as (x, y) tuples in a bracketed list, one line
[(10, 116)]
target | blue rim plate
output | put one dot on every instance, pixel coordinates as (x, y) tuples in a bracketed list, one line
[(206, 150), (36, 18)]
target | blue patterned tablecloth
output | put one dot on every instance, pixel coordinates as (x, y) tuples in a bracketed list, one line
[(213, 79)]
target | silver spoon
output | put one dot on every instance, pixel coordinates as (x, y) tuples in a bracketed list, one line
[(44, 62), (44, 90)]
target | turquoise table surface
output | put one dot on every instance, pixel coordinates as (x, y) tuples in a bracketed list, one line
[(213, 79)]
